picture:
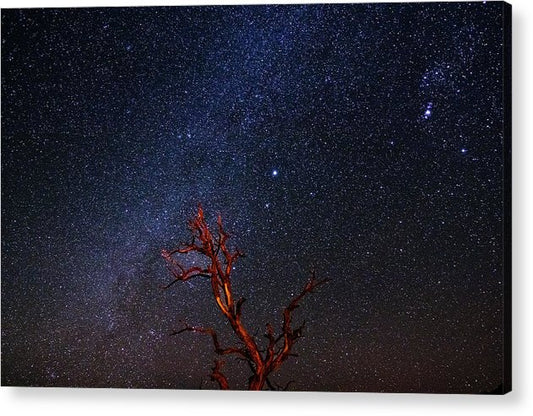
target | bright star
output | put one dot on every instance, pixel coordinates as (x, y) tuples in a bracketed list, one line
[(427, 113), (274, 173)]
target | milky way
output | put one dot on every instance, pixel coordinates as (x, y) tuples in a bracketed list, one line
[(362, 140)]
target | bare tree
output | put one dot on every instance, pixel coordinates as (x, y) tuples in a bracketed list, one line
[(220, 260)]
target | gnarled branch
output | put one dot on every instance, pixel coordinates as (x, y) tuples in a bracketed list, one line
[(221, 258), (217, 375), (211, 332)]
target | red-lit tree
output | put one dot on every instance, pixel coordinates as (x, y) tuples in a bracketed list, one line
[(220, 260)]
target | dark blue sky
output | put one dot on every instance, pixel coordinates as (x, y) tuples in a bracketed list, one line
[(363, 140)]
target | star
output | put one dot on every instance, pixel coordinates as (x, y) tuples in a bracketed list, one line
[(428, 111)]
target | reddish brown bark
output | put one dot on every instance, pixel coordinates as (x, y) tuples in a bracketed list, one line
[(220, 260)]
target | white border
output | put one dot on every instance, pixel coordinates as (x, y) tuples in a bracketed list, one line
[(81, 402)]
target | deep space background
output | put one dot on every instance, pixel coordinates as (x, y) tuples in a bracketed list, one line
[(363, 140)]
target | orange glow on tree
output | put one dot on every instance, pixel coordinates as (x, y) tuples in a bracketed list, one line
[(220, 260)]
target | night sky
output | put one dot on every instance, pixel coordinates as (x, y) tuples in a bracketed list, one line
[(362, 140)]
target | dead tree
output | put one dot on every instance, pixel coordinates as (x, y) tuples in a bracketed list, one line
[(220, 260)]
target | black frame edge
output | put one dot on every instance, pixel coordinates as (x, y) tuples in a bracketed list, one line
[(507, 198)]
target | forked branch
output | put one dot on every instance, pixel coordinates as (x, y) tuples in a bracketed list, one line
[(220, 259)]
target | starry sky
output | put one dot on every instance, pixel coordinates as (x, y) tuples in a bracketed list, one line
[(363, 140)]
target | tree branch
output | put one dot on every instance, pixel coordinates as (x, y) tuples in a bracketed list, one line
[(289, 335), (219, 269), (217, 375), (218, 349)]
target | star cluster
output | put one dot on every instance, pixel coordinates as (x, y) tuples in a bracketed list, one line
[(362, 140)]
